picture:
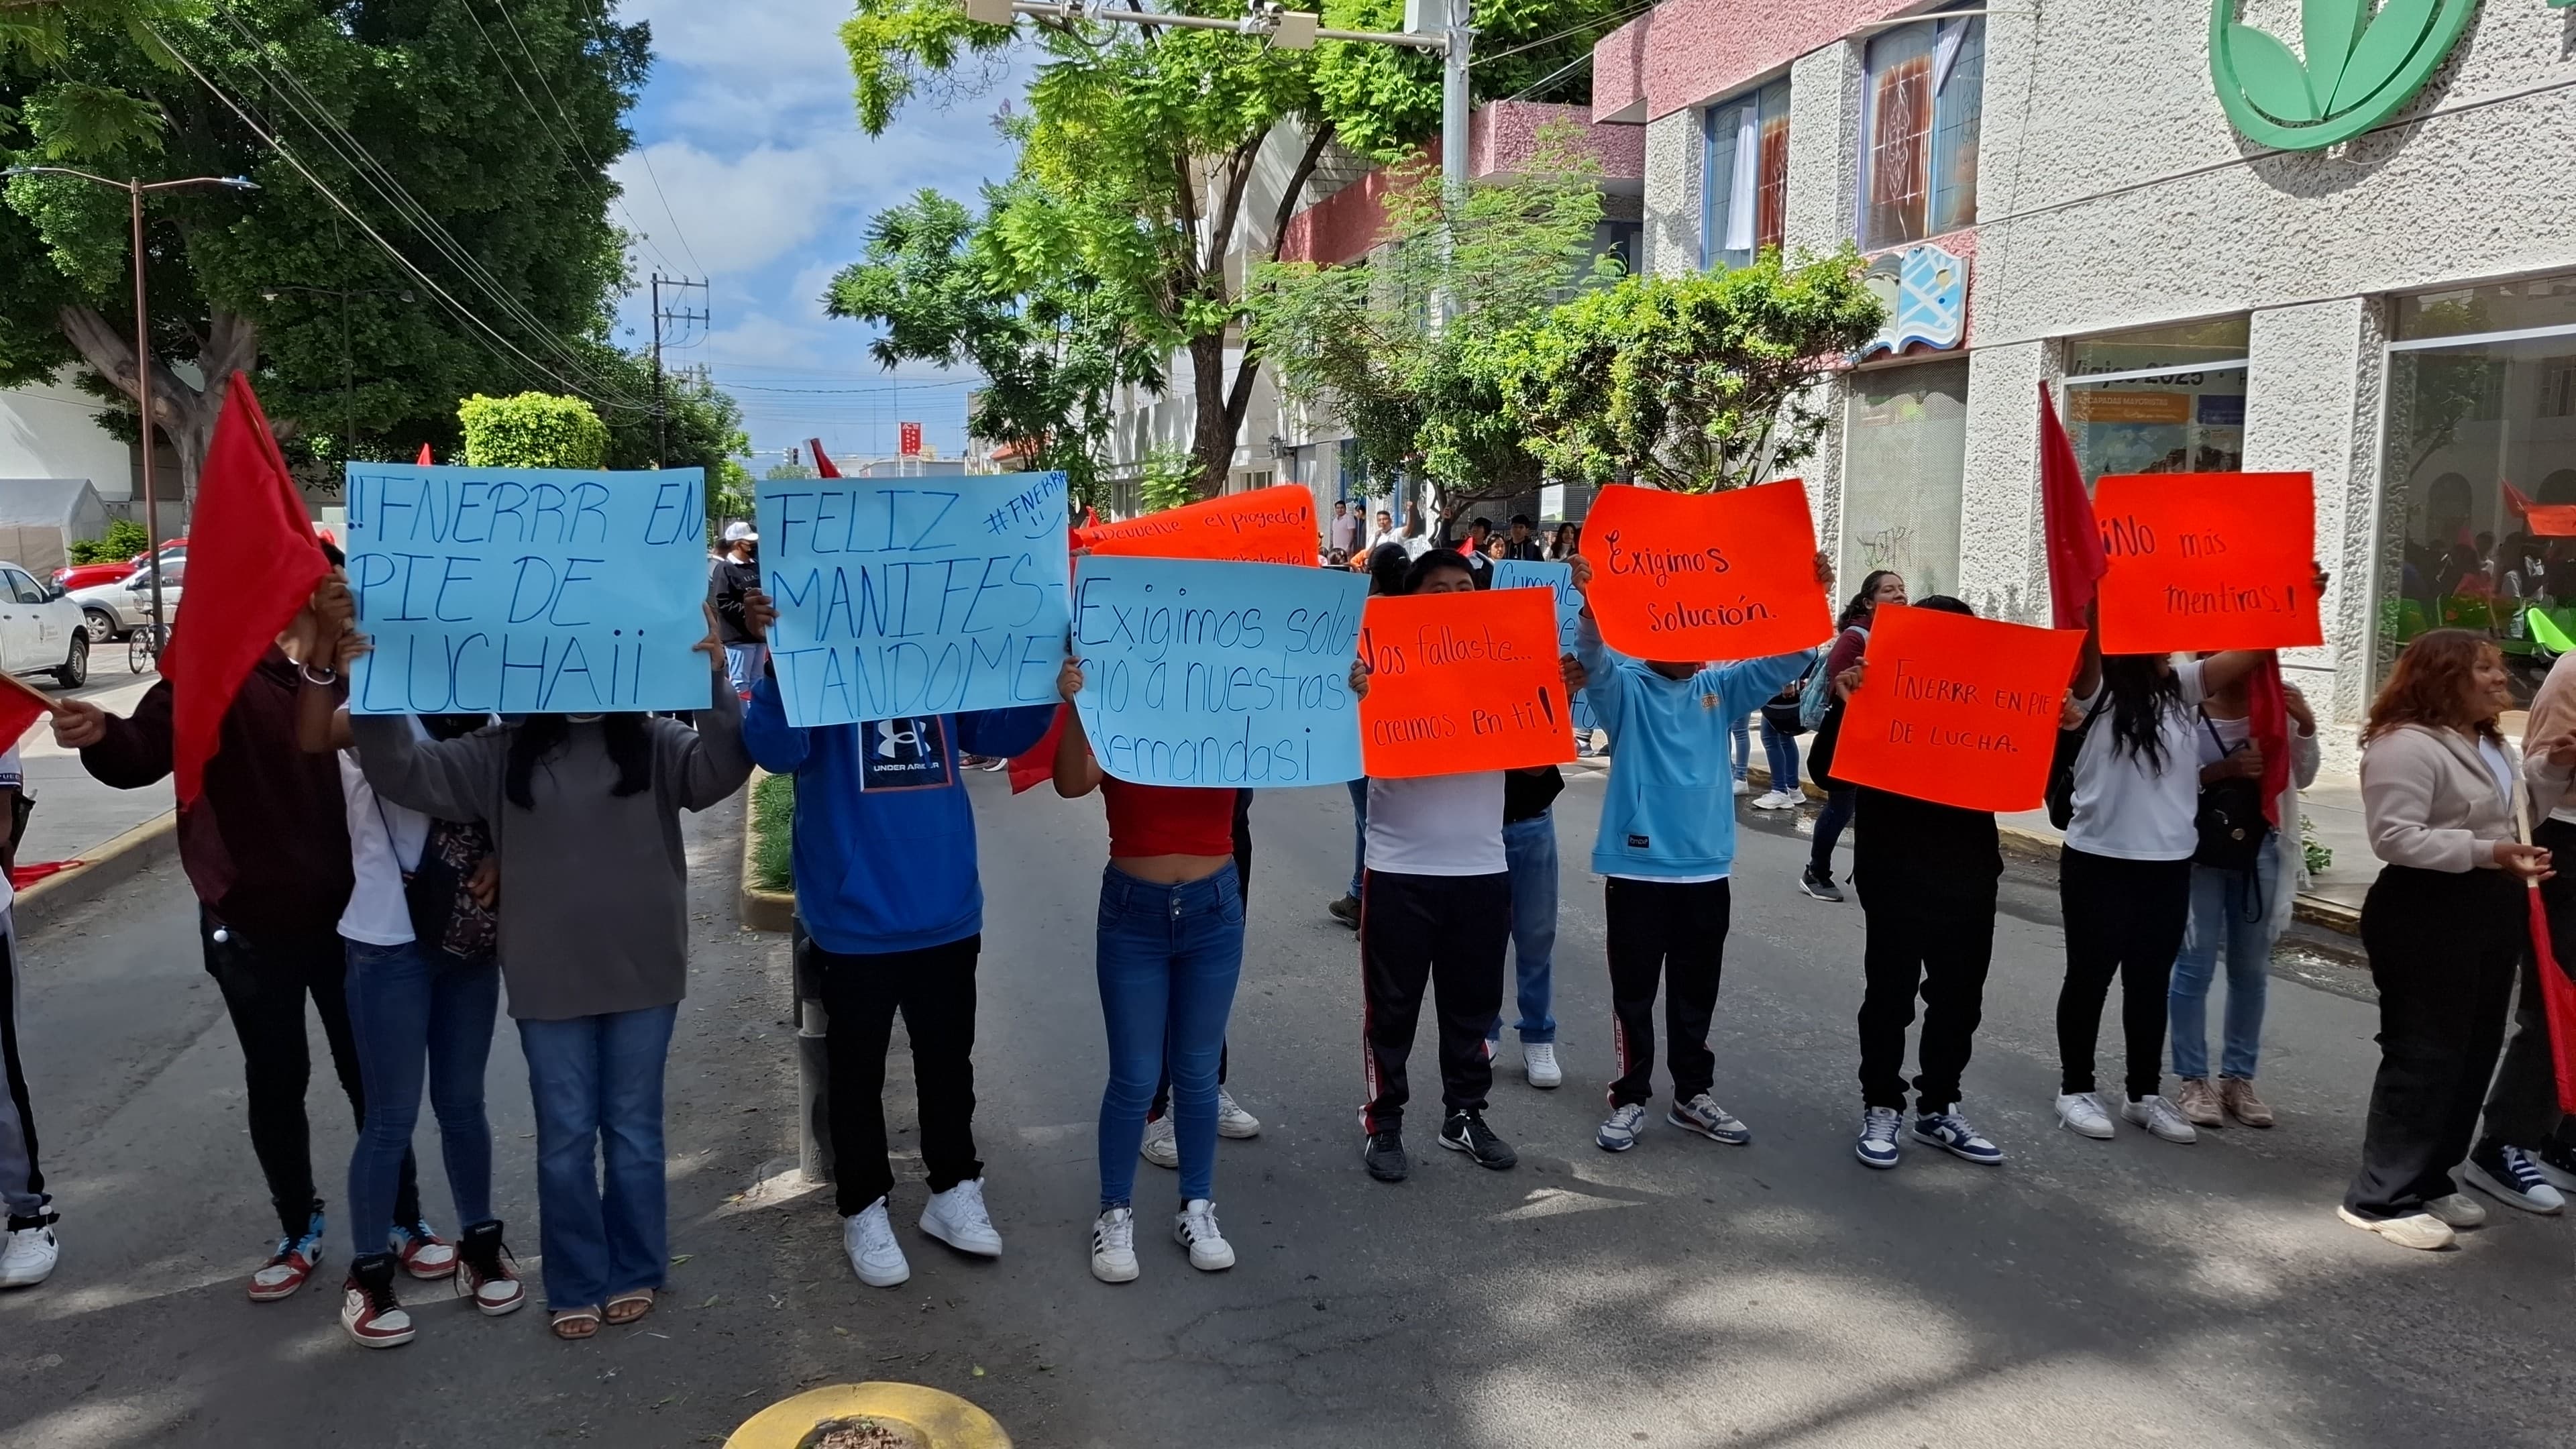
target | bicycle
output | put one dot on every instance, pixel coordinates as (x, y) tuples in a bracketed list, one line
[(144, 645)]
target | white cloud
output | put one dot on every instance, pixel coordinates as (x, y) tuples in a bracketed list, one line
[(764, 340)]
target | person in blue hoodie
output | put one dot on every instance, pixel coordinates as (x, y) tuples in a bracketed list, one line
[(884, 866), (1666, 847)]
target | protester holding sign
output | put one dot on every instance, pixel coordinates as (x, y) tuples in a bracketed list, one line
[(883, 862), (2444, 923), (584, 811), (1667, 845), (1882, 586)]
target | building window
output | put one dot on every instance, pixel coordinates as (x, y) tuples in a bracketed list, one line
[(2159, 399), (1925, 93), (1905, 453), (1744, 178), (2478, 424)]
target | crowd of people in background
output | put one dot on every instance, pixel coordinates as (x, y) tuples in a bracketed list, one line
[(399, 873)]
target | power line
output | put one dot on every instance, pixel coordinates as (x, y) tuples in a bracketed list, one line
[(570, 129)]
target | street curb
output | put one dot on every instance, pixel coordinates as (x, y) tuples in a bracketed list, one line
[(114, 863), (758, 909)]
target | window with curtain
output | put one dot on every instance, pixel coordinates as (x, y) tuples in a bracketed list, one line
[(1925, 94), (1744, 181)]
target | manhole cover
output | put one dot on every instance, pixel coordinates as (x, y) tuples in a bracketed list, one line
[(862, 1433)]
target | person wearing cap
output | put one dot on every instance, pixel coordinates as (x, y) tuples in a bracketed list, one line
[(735, 573), (1523, 544)]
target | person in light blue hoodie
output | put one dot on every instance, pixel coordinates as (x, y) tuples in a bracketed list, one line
[(886, 887), (1666, 847)]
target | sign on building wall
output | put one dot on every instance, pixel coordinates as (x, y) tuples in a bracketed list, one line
[(1925, 291), (2353, 68)]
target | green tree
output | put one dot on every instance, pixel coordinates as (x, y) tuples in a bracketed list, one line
[(1053, 345), (1359, 342), (531, 430), (497, 129), (1167, 477), (1140, 164), (1692, 383), (123, 540)]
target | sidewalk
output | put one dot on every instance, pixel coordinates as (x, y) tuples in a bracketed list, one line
[(74, 813)]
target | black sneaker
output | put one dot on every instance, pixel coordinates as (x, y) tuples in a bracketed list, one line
[(1818, 884), (1384, 1154), (1466, 1132), (1346, 910), (2557, 1163), (2508, 1175)]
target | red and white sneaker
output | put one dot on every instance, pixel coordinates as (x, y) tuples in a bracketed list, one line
[(284, 1274), (484, 1272), (425, 1255), (369, 1312)]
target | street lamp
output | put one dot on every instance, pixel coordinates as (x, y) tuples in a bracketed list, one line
[(348, 359), (135, 190)]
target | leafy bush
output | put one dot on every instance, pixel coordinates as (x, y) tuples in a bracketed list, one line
[(532, 430), (124, 539), (773, 817), (1169, 479)]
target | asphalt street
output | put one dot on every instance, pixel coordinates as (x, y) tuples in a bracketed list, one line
[(2088, 1294)]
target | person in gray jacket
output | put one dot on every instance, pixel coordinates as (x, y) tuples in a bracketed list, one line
[(584, 814)]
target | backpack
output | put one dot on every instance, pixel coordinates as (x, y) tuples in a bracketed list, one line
[(2061, 765), (2230, 820), (1812, 700), (1781, 712)]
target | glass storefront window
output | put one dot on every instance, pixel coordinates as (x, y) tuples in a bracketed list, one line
[(2481, 408), (1905, 447), (2159, 399)]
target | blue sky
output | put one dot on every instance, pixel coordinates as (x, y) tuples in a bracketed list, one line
[(750, 171)]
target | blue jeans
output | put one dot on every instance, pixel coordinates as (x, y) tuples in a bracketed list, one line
[(1359, 831), (411, 1009), (1529, 853), (597, 1082), (2220, 901), (1169, 958), (1740, 742), (1781, 752), (743, 663)]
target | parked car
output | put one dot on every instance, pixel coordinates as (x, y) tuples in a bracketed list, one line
[(81, 576), (41, 629), (112, 611)]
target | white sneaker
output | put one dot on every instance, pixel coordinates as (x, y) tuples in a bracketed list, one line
[(1538, 1060), (1160, 1148), (1231, 1120), (2413, 1230), (1743, 786), (27, 1256), (957, 1217), (1113, 1246), (2160, 1117), (1775, 800), (2458, 1210), (875, 1256), (1194, 1227), (2081, 1113)]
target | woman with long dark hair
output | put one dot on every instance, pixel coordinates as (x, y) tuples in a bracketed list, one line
[(1879, 586), (1565, 542), (584, 812), (2444, 924)]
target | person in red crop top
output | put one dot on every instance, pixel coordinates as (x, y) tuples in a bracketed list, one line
[(1170, 950)]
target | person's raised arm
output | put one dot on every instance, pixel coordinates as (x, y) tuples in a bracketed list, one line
[(321, 717), (1076, 773), (124, 754), (456, 779), (709, 762), (773, 743)]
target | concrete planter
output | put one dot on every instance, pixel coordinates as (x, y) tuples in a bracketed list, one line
[(760, 909)]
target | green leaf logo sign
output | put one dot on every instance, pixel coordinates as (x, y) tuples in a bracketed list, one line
[(2361, 65)]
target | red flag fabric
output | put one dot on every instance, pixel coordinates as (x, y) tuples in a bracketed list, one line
[(21, 705), (2075, 561), (252, 562), (425, 460), (2517, 500), (2267, 720), (2558, 1005), (1037, 762), (822, 464)]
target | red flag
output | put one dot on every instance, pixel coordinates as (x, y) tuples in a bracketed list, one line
[(2075, 561), (21, 705), (2515, 499), (425, 460), (1037, 762), (822, 465), (252, 562), (2267, 720)]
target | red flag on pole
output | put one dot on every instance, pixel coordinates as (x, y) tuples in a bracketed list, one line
[(822, 465), (2557, 990), (2075, 561), (425, 460), (21, 705), (252, 562), (2267, 719)]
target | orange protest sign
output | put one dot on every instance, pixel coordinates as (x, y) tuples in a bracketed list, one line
[(1692, 577), (1267, 525), (1462, 682), (1957, 710), (2207, 561)]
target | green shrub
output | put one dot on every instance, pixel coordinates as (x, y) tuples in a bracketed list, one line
[(124, 539), (773, 817), (532, 430)]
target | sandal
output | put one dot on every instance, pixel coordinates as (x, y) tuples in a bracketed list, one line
[(574, 1324), (641, 1301)]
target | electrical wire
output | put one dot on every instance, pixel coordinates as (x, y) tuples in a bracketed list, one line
[(1613, 22)]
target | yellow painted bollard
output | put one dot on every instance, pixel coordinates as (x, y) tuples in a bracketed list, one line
[(870, 1416)]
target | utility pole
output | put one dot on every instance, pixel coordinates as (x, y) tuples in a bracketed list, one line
[(675, 318)]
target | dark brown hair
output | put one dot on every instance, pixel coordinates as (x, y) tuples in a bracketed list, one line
[(2430, 687)]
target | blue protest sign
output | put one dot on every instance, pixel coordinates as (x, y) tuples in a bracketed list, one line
[(1204, 673), (1512, 573), (527, 590), (914, 596)]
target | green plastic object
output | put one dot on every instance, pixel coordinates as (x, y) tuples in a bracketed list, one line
[(2547, 632)]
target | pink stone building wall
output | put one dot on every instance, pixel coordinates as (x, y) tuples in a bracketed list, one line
[(1685, 52)]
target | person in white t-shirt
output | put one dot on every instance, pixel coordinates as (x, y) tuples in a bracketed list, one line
[(1342, 531), (2124, 874), (1435, 915), (28, 1252), (424, 988)]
